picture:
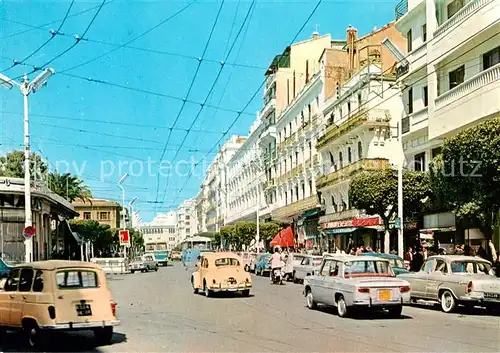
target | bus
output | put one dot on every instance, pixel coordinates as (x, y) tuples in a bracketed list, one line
[(159, 251), (192, 247)]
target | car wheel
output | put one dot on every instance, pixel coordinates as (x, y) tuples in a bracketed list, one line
[(245, 293), (448, 302), (395, 311), (156, 268), (342, 309), (294, 279), (311, 304), (33, 335), (132, 271), (195, 290), (103, 335), (208, 292)]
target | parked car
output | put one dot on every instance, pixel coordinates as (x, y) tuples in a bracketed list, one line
[(347, 281), (247, 259), (397, 263), (455, 279), (307, 266), (4, 269), (254, 257), (292, 261), (54, 296), (221, 272), (262, 266), (176, 255), (145, 263)]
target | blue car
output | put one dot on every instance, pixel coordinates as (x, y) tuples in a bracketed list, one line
[(397, 263), (4, 269), (263, 266)]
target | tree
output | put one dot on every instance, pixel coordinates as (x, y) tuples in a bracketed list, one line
[(268, 231), (100, 235), (12, 165), (376, 192), (227, 234), (244, 233), (68, 186), (467, 175)]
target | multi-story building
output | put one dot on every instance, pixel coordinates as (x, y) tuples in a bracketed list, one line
[(212, 200), (102, 211), (450, 78), (186, 220), (161, 232), (358, 133)]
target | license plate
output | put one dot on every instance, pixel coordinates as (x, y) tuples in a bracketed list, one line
[(83, 310), (384, 295), (492, 295)]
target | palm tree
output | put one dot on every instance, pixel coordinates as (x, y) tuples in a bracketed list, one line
[(68, 186)]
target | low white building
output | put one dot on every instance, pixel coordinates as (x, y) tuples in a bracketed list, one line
[(186, 220), (161, 232)]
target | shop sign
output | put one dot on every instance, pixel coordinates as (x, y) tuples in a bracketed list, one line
[(338, 224), (411, 225), (366, 222)]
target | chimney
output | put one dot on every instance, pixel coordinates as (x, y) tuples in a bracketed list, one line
[(315, 35), (352, 36)]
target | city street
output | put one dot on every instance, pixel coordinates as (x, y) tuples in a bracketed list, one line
[(159, 312)]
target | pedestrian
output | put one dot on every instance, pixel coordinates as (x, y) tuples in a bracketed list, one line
[(481, 252), (408, 256), (425, 253), (417, 261), (358, 251)]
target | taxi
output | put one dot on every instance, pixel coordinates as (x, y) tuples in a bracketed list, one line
[(56, 295), (221, 272)]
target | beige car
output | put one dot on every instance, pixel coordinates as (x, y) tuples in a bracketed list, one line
[(221, 272), (57, 295)]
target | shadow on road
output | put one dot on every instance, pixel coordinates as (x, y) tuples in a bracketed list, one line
[(460, 310), (62, 342), (360, 314), (225, 295)]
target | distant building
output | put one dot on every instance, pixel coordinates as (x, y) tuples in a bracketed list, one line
[(102, 211), (161, 232), (186, 220)]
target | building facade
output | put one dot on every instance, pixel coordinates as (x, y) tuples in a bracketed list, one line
[(103, 211), (451, 79), (161, 232), (186, 220)]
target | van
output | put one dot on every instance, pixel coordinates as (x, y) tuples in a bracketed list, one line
[(49, 296)]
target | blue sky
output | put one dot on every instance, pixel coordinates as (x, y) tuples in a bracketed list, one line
[(93, 127)]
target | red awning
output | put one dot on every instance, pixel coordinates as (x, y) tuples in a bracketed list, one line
[(276, 240), (284, 238)]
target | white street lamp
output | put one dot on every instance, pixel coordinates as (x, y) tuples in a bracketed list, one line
[(131, 207), (120, 185), (26, 88)]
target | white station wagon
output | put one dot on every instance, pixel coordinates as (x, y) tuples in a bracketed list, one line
[(348, 281)]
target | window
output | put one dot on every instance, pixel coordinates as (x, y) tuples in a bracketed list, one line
[(349, 155), (286, 198), (26, 280), (104, 216), (426, 96), (436, 152), (297, 193), (310, 187), (325, 270), (76, 279), (332, 160), (334, 205), (367, 267), (360, 150), (424, 33), (12, 281), (86, 215), (187, 218), (38, 282), (454, 7), (456, 76), (419, 162), (296, 158), (348, 109), (410, 100), (409, 40), (227, 262), (471, 267), (341, 160), (303, 186), (188, 230), (491, 58), (290, 128), (309, 111), (309, 145), (291, 163), (441, 266), (428, 266), (359, 100), (341, 115)]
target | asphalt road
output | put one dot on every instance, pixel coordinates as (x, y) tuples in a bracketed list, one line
[(160, 313)]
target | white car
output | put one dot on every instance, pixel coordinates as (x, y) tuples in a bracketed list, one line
[(307, 266), (145, 263), (348, 281)]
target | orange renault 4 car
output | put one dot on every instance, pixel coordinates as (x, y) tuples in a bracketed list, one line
[(56, 295)]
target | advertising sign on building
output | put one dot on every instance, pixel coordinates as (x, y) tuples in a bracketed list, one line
[(124, 237)]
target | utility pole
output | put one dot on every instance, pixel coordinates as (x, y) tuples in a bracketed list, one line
[(400, 189)]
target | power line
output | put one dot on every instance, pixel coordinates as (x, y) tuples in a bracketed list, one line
[(52, 36)]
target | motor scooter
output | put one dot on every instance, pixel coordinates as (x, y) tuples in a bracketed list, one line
[(277, 276)]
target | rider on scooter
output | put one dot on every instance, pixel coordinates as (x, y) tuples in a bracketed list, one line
[(276, 261)]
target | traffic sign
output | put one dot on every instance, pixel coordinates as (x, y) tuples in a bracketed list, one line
[(29, 232), (397, 223), (124, 237)]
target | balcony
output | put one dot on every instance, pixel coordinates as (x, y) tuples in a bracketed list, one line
[(417, 58), (401, 9), (268, 134), (268, 184), (468, 102), (270, 79), (337, 216), (295, 208), (268, 107), (474, 17), (375, 117), (287, 143), (351, 170), (415, 121)]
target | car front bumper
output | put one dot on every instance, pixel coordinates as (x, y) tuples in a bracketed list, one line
[(81, 325), (231, 288)]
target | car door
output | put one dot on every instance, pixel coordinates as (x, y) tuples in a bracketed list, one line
[(419, 283), (435, 278), (326, 281), (300, 271), (4, 303), (23, 296), (14, 297)]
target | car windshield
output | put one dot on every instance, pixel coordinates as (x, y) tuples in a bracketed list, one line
[(367, 268), (397, 263), (227, 261), (471, 267), (137, 259)]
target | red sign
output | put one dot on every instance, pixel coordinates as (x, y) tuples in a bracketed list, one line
[(29, 232), (355, 222), (124, 237)]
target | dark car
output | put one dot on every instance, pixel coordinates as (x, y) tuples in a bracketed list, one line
[(4, 269), (397, 263)]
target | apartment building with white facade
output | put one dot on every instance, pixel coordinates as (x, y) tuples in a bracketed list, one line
[(161, 232), (186, 220), (211, 202), (451, 78)]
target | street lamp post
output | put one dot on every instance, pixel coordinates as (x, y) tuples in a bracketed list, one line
[(26, 89), (131, 207), (400, 189), (122, 213)]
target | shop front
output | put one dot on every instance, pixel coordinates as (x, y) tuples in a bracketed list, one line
[(440, 232), (349, 234)]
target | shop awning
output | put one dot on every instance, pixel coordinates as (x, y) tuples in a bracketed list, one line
[(310, 213), (340, 230)]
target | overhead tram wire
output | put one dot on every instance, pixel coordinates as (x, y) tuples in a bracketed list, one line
[(211, 89), (52, 36), (189, 91), (77, 40), (119, 46), (249, 101), (41, 27), (396, 94)]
